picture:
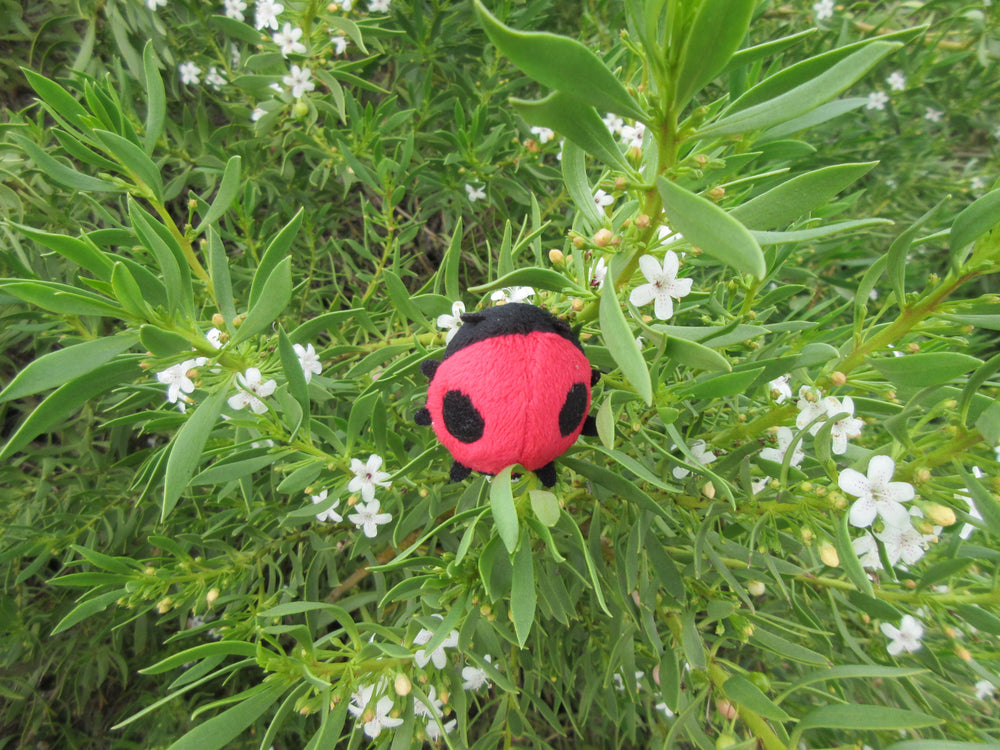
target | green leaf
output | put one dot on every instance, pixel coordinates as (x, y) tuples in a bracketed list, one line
[(156, 100), (276, 251), (744, 693), (522, 591), (162, 343), (545, 506), (294, 373), (222, 648), (59, 101), (987, 505), (66, 399), (82, 252), (851, 671), (61, 366), (135, 161), (574, 171), (606, 424), (504, 511), (803, 98), (562, 64), (228, 188), (61, 173), (923, 370), (227, 471), (450, 264), (975, 220), (274, 298), (849, 558), (938, 745), (707, 226), (808, 235), (401, 300), (694, 355), (61, 298), (164, 248), (82, 611), (620, 340), (578, 122), (541, 278), (716, 33), (186, 448), (896, 256), (718, 386), (128, 293), (865, 717), (798, 196), (218, 272), (220, 730), (785, 648)]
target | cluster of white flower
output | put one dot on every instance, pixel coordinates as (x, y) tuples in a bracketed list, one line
[(178, 378), (368, 515), (823, 9), (815, 410), (544, 134), (512, 294)]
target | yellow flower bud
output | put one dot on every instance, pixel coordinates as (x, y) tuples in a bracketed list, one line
[(828, 554), (556, 256), (402, 684), (212, 595), (218, 321), (941, 515), (756, 588), (603, 237), (837, 378), (164, 605)]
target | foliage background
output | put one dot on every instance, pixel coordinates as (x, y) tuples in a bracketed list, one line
[(108, 556)]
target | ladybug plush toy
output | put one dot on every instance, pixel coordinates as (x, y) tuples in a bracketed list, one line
[(513, 388)]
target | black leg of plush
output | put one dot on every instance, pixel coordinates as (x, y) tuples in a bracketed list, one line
[(589, 427), (422, 417), (547, 474), (459, 472)]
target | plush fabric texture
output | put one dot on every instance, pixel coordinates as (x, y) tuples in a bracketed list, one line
[(510, 398)]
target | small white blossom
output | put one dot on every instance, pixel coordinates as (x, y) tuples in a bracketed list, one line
[(367, 477), (234, 9), (823, 9), (844, 428), (339, 44), (288, 40), (368, 518), (430, 710), (933, 115), (251, 389), (896, 80), (346, 5), (665, 709), (189, 73), (877, 494), (904, 638), (512, 294), (598, 273), (154, 4), (308, 360), (666, 236), (475, 193), (877, 100), (266, 15), (620, 681), (298, 81), (329, 515), (780, 389), (977, 185), (214, 337), (614, 123), (474, 678), (437, 657), (602, 199), (984, 690), (968, 528), (544, 134), (215, 79), (452, 322), (812, 406), (663, 285), (176, 378), (784, 438), (257, 113), (381, 719), (903, 543), (632, 135), (434, 731), (702, 455), (866, 548), (378, 6)]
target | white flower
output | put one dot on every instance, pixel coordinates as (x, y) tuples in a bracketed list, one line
[(811, 405), (632, 135), (904, 638), (702, 455), (235, 8), (367, 477), (598, 273), (267, 12), (844, 428), (176, 378), (984, 690), (784, 438), (154, 4), (666, 711), (823, 9), (189, 73), (251, 388), (780, 389), (663, 286), (968, 528), (381, 720), (257, 113), (877, 100), (434, 731), (877, 494), (215, 79), (544, 134), (288, 40), (308, 360), (473, 678), (346, 5), (903, 542), (896, 80), (512, 294), (437, 657), (330, 514), (475, 193), (666, 235), (933, 115), (602, 199), (866, 548), (298, 81), (339, 44), (214, 337), (614, 123), (368, 517), (996, 132), (977, 185), (620, 682), (378, 6), (433, 708), (452, 322)]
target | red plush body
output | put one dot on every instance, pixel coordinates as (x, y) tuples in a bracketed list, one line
[(513, 388)]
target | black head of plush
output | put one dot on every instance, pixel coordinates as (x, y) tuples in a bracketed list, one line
[(503, 320)]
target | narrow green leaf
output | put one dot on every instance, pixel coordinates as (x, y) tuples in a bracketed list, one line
[(59, 101), (222, 648), (606, 424), (135, 161), (541, 278), (939, 745), (218, 272), (896, 256), (82, 252), (274, 298), (61, 298), (694, 355), (578, 122), (156, 238), (66, 399), (156, 100), (294, 373), (229, 186), (220, 730), (82, 611), (128, 293), (276, 251), (61, 366), (574, 171), (523, 598), (545, 506), (851, 671), (744, 693), (399, 295), (715, 34), (719, 386), (975, 220), (162, 343), (923, 370), (987, 505), (849, 558), (785, 648), (562, 64), (856, 716), (504, 511), (808, 235), (61, 173), (451, 263), (707, 226), (186, 448), (798, 196), (595, 581), (227, 471), (620, 340)]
